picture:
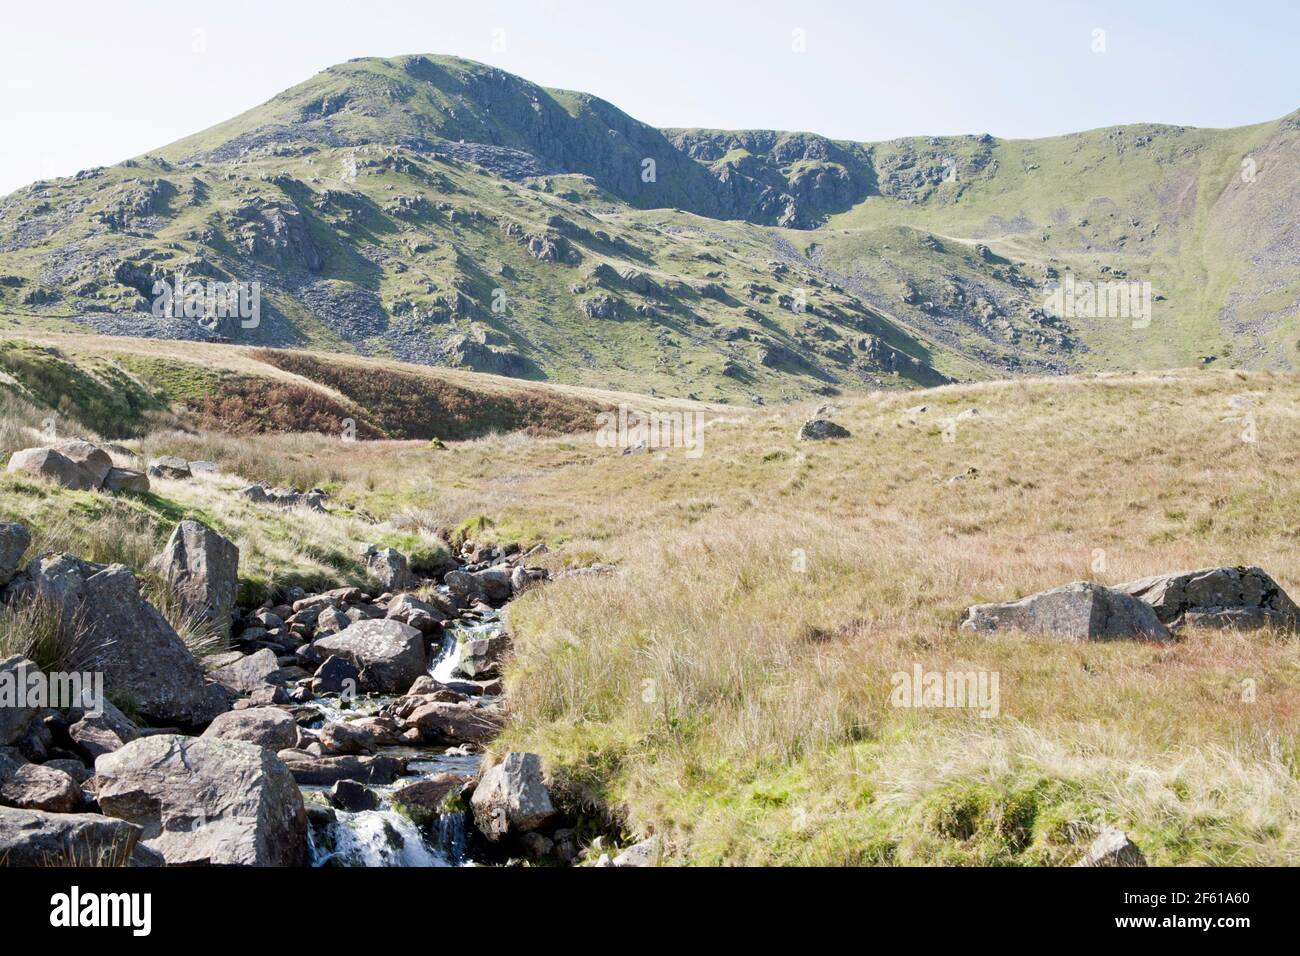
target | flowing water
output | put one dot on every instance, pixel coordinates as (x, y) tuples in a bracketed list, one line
[(383, 836)]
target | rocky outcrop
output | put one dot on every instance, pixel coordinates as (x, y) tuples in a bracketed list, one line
[(139, 653), (202, 568), (249, 673), (1081, 611), (206, 801), (1242, 598), (388, 654), (511, 798), (267, 727), (36, 838)]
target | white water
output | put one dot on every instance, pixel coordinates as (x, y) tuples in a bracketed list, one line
[(375, 838), (446, 666)]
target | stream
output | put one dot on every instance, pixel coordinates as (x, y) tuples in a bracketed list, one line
[(384, 836)]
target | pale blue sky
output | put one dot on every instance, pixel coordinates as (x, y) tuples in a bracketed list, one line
[(90, 83)]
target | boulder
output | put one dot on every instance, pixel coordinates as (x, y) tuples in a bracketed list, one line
[(52, 466), (140, 654), (389, 654), (267, 727), (256, 494), (1112, 848), (14, 674), (341, 738), (424, 617), (36, 838), (14, 542), (819, 429), (388, 567), (126, 479), (511, 798), (451, 723), (75, 769), (249, 673), (1242, 598), (30, 786), (202, 568), (170, 466), (337, 675), (353, 797), (423, 800), (206, 800), (94, 462), (1081, 611), (493, 583), (96, 734), (312, 771)]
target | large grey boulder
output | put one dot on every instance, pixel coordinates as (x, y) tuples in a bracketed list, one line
[(493, 583), (451, 723), (423, 616), (169, 466), (36, 838), (820, 429), (14, 674), (267, 727), (312, 771), (1081, 611), (512, 798), (52, 466), (14, 542), (94, 462), (389, 654), (126, 479), (96, 734), (140, 654), (202, 568), (30, 786), (206, 800), (249, 673), (1242, 598), (388, 567)]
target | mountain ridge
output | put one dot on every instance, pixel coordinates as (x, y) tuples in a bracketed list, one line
[(390, 206)]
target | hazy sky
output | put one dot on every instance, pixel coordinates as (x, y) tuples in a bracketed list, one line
[(91, 83)]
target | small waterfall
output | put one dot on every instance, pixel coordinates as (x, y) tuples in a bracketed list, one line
[(378, 838), (449, 836)]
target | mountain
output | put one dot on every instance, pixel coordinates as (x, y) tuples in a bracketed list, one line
[(443, 212)]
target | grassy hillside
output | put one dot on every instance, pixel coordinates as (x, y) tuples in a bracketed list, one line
[(728, 686)]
